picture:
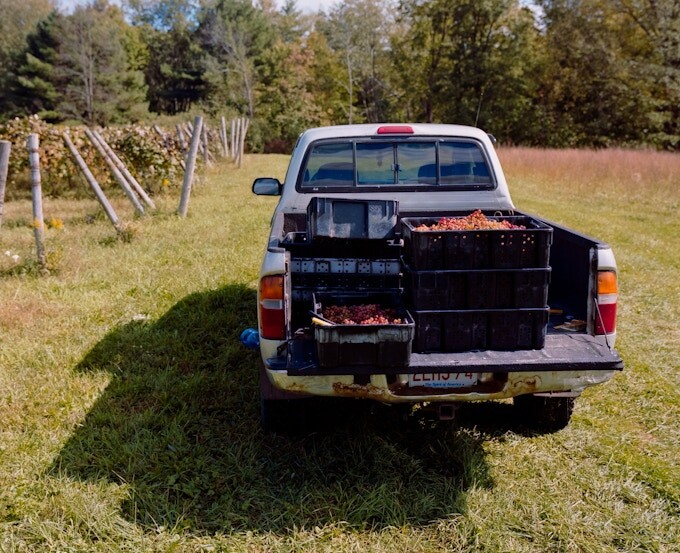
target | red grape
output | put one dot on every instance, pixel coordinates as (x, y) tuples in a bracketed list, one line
[(365, 314), (475, 221)]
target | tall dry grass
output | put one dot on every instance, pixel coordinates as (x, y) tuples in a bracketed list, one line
[(638, 174)]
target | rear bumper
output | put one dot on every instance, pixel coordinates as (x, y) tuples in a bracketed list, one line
[(567, 363), (396, 389)]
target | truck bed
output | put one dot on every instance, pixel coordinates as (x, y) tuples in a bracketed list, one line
[(573, 260)]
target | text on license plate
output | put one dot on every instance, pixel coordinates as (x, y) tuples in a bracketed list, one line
[(442, 380)]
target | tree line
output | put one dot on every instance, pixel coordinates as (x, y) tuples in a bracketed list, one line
[(548, 72)]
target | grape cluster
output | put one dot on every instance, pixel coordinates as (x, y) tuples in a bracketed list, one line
[(366, 314), (475, 221)]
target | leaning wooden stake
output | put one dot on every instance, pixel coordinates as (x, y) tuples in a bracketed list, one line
[(33, 146), (223, 136), (192, 129), (123, 169), (116, 173), (180, 137), (5, 148), (206, 151), (209, 136), (162, 134), (191, 163), (101, 197), (188, 130)]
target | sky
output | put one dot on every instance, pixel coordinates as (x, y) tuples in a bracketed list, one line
[(313, 5), (308, 6)]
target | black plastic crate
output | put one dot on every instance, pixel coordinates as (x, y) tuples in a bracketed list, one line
[(477, 249), (477, 288), (341, 345), (351, 219), (518, 329), (301, 246), (464, 330)]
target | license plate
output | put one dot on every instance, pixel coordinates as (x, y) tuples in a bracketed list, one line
[(442, 380)]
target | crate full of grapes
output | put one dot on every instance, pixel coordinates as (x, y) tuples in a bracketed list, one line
[(362, 330), (476, 241)]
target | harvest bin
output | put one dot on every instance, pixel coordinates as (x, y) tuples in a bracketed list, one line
[(351, 219), (492, 329), (341, 345), (477, 249), (477, 288)]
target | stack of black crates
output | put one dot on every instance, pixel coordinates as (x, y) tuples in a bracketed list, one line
[(477, 289), (359, 265)]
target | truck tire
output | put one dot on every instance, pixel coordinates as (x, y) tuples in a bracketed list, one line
[(544, 414), (273, 415), (281, 412), (284, 416)]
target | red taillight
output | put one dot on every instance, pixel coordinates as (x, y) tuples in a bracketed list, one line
[(395, 129), (607, 297), (272, 312)]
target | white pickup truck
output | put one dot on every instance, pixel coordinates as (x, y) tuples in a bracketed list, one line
[(482, 323)]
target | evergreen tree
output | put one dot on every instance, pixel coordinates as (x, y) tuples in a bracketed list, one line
[(235, 37), (33, 86), (100, 84), (174, 73), (18, 20)]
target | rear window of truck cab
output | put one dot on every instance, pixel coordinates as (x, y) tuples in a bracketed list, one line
[(377, 164)]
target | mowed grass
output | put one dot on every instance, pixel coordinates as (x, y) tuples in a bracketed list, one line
[(129, 410)]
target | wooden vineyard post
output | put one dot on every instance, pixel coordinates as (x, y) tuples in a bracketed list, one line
[(237, 140), (191, 131), (182, 144), (101, 197), (123, 169), (187, 130), (160, 133), (191, 163), (33, 145), (233, 138), (242, 139), (223, 136), (116, 173), (180, 137), (206, 151), (5, 148), (210, 136)]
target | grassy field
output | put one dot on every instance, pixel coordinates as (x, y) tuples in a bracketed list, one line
[(129, 412)]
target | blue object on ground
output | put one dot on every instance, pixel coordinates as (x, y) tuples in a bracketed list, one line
[(250, 338)]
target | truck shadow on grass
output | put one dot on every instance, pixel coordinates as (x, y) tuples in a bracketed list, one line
[(178, 425)]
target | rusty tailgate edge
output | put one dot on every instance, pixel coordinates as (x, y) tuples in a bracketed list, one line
[(561, 353)]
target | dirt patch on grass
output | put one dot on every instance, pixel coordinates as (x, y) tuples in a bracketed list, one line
[(25, 313)]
